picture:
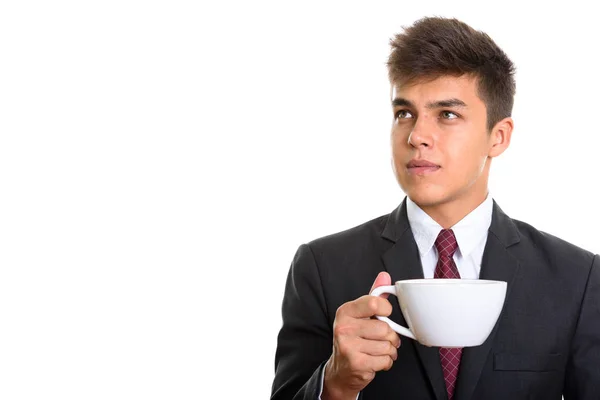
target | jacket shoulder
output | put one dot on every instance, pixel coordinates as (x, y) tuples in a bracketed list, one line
[(552, 247), (359, 237)]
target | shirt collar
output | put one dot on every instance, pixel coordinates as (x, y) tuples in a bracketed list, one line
[(469, 231)]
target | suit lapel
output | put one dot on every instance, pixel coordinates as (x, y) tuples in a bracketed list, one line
[(402, 261), (497, 264)]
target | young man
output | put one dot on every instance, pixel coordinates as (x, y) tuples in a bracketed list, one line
[(452, 97)]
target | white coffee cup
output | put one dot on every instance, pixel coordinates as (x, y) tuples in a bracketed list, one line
[(447, 312)]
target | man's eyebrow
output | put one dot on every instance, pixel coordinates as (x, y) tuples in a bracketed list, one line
[(446, 103), (399, 101)]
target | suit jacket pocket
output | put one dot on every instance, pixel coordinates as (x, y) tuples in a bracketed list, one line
[(528, 362)]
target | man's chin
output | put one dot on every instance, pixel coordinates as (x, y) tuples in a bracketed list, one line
[(426, 199)]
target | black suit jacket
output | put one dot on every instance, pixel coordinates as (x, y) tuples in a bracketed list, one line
[(546, 342)]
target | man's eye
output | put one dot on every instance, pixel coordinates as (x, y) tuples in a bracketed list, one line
[(448, 115), (403, 114)]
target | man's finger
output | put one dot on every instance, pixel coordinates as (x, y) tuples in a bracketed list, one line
[(383, 279), (367, 306), (378, 348), (373, 329)]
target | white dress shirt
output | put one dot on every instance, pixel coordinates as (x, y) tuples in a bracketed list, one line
[(471, 235)]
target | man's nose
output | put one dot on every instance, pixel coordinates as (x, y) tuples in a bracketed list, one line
[(422, 133)]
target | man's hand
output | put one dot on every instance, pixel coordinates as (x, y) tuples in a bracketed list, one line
[(361, 345)]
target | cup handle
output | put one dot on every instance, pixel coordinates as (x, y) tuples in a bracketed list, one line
[(396, 327)]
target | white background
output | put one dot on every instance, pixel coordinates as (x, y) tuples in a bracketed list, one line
[(161, 161)]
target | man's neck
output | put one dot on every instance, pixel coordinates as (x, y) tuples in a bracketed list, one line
[(450, 213)]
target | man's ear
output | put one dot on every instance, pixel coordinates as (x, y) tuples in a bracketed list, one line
[(500, 137)]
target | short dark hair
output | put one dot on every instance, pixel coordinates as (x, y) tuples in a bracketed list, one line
[(434, 46)]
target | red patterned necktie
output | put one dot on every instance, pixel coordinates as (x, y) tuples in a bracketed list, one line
[(446, 268)]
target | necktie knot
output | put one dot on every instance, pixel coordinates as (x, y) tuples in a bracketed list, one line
[(445, 243)]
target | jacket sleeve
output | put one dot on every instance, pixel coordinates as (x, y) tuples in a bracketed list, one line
[(582, 380), (305, 340)]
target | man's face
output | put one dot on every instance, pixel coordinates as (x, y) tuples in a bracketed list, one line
[(440, 142)]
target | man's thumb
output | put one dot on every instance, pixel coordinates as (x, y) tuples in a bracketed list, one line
[(383, 279)]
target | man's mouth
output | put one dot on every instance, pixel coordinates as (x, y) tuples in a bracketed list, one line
[(421, 167)]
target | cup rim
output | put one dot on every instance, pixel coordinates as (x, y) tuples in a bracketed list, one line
[(440, 282)]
